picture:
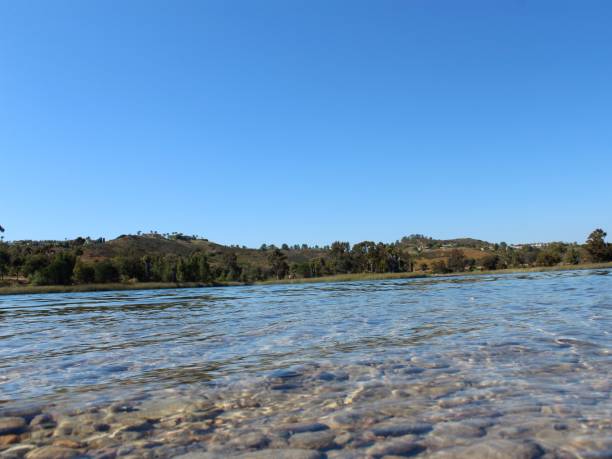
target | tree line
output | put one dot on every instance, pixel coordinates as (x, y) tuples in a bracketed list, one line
[(64, 263)]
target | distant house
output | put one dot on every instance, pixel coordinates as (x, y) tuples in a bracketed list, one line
[(537, 245)]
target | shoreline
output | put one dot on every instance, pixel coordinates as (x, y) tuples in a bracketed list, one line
[(45, 289), (42, 289), (417, 275)]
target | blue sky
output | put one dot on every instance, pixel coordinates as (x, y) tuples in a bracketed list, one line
[(306, 121)]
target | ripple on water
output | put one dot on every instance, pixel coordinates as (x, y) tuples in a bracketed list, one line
[(472, 366)]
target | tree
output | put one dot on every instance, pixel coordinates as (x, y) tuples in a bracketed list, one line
[(169, 268), (301, 269), (194, 268), (456, 260), (317, 267), (79, 241), (359, 257), (368, 256), (162, 268), (278, 260), (490, 262), (58, 272), (5, 260), (35, 263), (147, 262), (439, 267), (527, 255), (340, 257), (231, 268), (572, 256), (83, 273), (186, 270), (598, 249), (470, 264), (105, 271), (17, 260), (252, 273), (130, 267), (380, 258), (203, 268), (548, 258), (393, 258)]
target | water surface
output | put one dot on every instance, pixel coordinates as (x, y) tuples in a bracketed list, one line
[(512, 357)]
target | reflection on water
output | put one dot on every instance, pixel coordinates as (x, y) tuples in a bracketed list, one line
[(503, 343)]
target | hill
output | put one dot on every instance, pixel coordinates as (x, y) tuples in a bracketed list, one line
[(176, 257)]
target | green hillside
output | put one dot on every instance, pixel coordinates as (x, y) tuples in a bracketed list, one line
[(178, 258)]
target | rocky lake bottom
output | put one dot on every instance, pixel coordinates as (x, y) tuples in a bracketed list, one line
[(512, 366)]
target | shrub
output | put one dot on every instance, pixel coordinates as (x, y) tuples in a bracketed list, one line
[(58, 272), (491, 262), (35, 263), (456, 260), (439, 267), (548, 258), (84, 273), (105, 271), (130, 268), (572, 256)]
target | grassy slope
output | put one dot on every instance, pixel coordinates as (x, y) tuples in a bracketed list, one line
[(142, 245)]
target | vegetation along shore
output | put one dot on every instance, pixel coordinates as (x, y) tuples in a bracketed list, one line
[(154, 261)]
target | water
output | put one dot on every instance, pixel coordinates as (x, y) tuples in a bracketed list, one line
[(523, 359)]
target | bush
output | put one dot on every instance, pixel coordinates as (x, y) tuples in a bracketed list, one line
[(301, 270), (548, 258), (84, 273), (439, 267), (105, 271), (572, 256), (194, 268), (130, 268), (5, 260), (456, 260), (35, 263), (490, 262), (58, 272)]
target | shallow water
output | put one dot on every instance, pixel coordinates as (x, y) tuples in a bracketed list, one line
[(473, 366)]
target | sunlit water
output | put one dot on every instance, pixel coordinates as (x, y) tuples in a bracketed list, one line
[(531, 351)]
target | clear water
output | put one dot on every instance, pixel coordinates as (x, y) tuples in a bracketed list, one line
[(522, 341)]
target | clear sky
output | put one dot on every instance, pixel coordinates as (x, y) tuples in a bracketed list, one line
[(306, 121)]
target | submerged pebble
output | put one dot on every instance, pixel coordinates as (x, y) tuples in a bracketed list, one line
[(12, 425)]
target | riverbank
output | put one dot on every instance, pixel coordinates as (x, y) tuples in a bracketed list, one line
[(413, 275), (35, 289)]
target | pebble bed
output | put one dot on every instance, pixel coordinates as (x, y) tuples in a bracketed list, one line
[(397, 408)]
